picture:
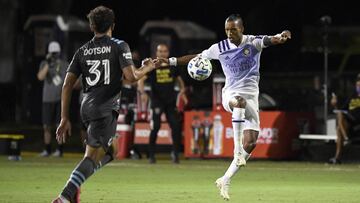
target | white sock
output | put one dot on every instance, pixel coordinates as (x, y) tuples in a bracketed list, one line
[(245, 154), (238, 121)]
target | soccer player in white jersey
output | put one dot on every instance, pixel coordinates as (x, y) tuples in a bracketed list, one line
[(239, 56)]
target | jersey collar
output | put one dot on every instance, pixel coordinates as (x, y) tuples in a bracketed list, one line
[(233, 46), (100, 38)]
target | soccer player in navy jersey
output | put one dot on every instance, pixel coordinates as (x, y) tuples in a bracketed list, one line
[(102, 62)]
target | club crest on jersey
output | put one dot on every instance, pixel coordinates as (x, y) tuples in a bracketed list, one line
[(246, 52)]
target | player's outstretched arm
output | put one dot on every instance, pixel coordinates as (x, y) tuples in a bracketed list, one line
[(132, 74), (174, 61), (64, 128), (280, 38)]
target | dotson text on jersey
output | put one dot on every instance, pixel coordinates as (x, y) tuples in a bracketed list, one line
[(97, 50)]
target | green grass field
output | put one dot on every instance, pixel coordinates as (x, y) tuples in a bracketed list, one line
[(41, 179)]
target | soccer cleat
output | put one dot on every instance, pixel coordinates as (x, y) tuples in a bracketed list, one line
[(223, 186), (334, 161), (152, 160), (240, 160), (175, 158), (44, 154), (57, 153)]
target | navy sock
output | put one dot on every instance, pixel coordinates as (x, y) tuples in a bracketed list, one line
[(108, 157), (48, 148), (82, 171), (60, 148)]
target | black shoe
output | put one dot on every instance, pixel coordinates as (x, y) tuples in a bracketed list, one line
[(175, 158), (334, 161), (152, 160), (134, 154)]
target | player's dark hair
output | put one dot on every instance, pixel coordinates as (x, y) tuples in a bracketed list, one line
[(163, 44), (235, 17), (101, 18)]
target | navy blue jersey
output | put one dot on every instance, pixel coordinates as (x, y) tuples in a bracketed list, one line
[(100, 62)]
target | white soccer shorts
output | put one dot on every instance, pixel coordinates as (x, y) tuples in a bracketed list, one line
[(252, 120)]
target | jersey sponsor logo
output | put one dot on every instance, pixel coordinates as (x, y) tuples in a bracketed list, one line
[(97, 50), (127, 55), (241, 65)]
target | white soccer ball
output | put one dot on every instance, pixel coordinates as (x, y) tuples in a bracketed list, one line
[(199, 68)]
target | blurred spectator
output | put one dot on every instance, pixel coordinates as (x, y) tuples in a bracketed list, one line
[(52, 71), (347, 117), (163, 99)]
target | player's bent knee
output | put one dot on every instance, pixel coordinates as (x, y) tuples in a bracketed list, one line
[(91, 152), (237, 102)]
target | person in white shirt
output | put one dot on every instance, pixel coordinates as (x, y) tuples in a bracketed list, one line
[(239, 56)]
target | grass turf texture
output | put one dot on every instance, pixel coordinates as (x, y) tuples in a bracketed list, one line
[(41, 179)]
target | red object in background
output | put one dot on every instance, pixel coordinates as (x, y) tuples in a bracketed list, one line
[(124, 140), (180, 104), (277, 137), (218, 83), (142, 134), (279, 134)]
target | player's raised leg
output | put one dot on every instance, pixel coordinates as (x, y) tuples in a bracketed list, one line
[(98, 153), (86, 167), (237, 104)]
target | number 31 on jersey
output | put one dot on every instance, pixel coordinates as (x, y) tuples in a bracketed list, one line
[(94, 69)]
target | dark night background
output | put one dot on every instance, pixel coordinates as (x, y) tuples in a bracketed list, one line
[(288, 70), (260, 17)]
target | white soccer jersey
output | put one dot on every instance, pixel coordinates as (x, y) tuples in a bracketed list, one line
[(240, 63)]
